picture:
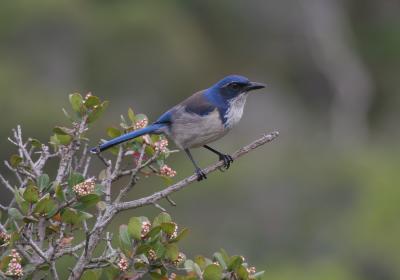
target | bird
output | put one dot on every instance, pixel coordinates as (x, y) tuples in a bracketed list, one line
[(202, 118)]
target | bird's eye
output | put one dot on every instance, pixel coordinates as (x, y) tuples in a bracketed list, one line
[(234, 86)]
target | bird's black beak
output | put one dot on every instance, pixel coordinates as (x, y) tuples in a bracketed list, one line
[(254, 86)]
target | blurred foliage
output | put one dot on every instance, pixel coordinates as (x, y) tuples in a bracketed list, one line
[(316, 210)]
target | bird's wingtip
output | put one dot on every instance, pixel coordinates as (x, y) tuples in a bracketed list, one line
[(95, 150)]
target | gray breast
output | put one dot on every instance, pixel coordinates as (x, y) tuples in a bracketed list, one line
[(190, 130)]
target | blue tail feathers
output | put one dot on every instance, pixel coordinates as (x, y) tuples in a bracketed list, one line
[(151, 129)]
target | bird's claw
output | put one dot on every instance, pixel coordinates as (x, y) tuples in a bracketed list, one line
[(227, 159), (200, 174)]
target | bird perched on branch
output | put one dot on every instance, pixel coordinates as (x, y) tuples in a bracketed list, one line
[(200, 119)]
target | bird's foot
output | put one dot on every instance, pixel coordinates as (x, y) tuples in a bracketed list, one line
[(227, 159), (200, 174)]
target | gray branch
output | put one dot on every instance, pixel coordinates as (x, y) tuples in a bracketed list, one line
[(151, 199)]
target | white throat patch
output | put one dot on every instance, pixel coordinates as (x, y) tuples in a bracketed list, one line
[(235, 111)]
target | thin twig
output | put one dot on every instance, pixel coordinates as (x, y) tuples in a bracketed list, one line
[(6, 184)]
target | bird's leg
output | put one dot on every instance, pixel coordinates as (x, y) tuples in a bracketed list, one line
[(227, 159), (199, 172)]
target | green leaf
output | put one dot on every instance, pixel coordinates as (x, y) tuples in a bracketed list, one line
[(212, 272), (45, 205), (234, 262), (111, 272), (35, 143), (224, 255), (219, 258), (131, 115), (15, 160), (92, 274), (113, 132), (60, 130), (135, 228), (60, 193), (162, 218), (70, 216), (201, 261), (149, 151), (58, 139), (159, 248), (84, 215), (154, 231), (125, 240), (142, 249), (241, 271), (75, 178), (87, 201), (168, 228), (23, 205), (171, 252), (76, 101), (156, 276), (31, 194), (97, 112), (91, 101), (184, 232), (43, 182), (15, 214)]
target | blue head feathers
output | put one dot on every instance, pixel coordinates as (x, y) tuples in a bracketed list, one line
[(230, 87)]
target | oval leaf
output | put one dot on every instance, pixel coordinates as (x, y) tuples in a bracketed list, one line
[(76, 101), (162, 218), (171, 252), (212, 272), (31, 194), (43, 182), (135, 228)]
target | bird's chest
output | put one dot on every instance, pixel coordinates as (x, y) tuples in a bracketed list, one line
[(235, 111), (191, 130)]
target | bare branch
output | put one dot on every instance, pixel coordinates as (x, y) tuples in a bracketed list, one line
[(6, 184), (35, 247), (53, 270), (185, 182), (24, 151)]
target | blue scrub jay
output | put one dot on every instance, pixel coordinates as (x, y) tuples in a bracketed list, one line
[(200, 119)]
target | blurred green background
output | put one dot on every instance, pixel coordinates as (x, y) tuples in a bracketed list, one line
[(321, 202)]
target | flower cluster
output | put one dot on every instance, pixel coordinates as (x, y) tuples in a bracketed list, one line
[(165, 170), (180, 260), (161, 146), (85, 187), (251, 270), (146, 226), (172, 276), (123, 263), (4, 238), (151, 255), (14, 266), (141, 124)]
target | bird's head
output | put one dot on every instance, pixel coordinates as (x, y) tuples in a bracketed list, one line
[(234, 85)]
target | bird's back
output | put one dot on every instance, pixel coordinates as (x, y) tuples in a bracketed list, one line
[(194, 122)]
